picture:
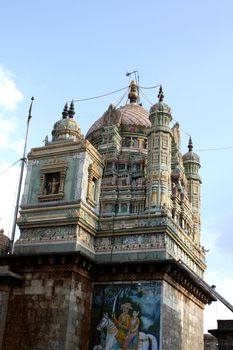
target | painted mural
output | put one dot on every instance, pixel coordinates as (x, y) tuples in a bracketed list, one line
[(126, 316)]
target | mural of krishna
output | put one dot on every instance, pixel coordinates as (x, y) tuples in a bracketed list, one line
[(126, 316)]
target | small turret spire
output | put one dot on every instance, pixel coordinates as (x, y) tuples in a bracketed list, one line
[(190, 144), (65, 111), (133, 93), (160, 94), (71, 111)]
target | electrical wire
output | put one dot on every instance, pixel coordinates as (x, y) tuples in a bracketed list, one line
[(99, 96), (149, 87), (145, 97), (4, 171), (116, 104), (113, 92), (214, 149)]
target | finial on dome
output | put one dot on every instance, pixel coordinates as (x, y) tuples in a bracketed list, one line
[(133, 92), (111, 108), (190, 145), (160, 94), (65, 111), (71, 111)]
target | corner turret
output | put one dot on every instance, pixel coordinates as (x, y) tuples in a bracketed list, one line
[(159, 156), (192, 165), (66, 129)]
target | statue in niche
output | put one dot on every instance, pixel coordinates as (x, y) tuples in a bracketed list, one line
[(131, 144), (92, 192), (52, 184), (139, 181)]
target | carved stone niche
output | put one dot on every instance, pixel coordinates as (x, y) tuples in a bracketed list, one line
[(92, 189), (52, 180)]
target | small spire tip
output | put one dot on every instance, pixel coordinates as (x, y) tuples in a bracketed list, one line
[(160, 94)]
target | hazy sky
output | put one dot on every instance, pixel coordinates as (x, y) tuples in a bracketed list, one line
[(66, 49)]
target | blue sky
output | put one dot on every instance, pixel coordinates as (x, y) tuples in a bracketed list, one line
[(62, 50)]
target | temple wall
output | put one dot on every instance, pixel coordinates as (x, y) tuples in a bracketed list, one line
[(48, 310), (182, 320)]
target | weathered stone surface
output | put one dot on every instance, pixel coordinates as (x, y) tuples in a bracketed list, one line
[(48, 311), (182, 320)]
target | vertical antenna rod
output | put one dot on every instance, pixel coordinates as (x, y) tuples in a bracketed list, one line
[(23, 161)]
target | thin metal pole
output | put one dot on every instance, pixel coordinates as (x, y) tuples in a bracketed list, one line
[(23, 161)]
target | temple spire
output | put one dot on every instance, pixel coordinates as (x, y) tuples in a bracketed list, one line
[(133, 93), (71, 111), (160, 94), (65, 111), (190, 144)]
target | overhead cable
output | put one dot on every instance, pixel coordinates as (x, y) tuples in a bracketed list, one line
[(111, 93), (4, 171), (99, 96), (214, 149)]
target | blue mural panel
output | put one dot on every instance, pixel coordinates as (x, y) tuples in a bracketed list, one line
[(126, 316)]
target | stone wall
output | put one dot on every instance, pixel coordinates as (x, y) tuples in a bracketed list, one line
[(49, 310), (47, 301), (182, 319), (4, 296)]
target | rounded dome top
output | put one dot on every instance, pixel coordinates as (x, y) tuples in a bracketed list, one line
[(161, 106), (66, 128), (123, 117), (190, 156)]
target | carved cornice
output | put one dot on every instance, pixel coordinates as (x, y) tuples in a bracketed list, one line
[(170, 271)]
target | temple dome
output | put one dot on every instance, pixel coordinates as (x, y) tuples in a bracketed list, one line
[(66, 128), (129, 115), (160, 107), (190, 156)]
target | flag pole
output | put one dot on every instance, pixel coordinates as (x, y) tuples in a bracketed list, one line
[(23, 161)]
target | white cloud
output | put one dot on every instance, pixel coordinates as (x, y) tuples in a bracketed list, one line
[(8, 139), (10, 95)]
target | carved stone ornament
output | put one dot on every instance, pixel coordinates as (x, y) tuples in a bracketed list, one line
[(52, 180), (93, 177)]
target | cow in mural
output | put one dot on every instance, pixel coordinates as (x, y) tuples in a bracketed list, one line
[(133, 339)]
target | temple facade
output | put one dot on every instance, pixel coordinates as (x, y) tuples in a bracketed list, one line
[(110, 238)]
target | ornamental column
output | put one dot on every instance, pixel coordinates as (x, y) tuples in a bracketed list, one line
[(159, 157)]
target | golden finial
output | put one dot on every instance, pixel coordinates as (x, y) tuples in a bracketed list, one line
[(160, 95), (133, 92)]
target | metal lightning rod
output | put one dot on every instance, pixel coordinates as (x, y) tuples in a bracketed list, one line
[(23, 161)]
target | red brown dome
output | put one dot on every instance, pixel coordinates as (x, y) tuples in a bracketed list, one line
[(128, 115)]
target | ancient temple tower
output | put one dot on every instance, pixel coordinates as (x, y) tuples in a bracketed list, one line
[(192, 164), (159, 157), (109, 238)]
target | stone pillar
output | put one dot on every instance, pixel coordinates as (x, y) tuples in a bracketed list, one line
[(224, 334)]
